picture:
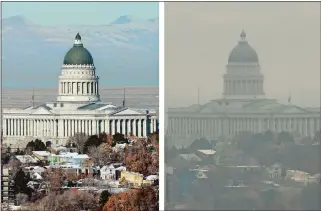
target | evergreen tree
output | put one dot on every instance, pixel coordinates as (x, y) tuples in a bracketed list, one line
[(104, 196)]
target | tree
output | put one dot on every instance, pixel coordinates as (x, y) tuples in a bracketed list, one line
[(56, 177), (317, 137), (154, 137), (119, 138), (21, 198), (310, 197), (48, 144), (285, 137), (143, 161), (36, 145), (144, 199), (91, 141), (20, 183), (79, 139), (69, 200), (95, 155), (15, 166), (104, 196)]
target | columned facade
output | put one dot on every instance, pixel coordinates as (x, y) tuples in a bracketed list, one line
[(48, 127), (219, 126), (78, 108)]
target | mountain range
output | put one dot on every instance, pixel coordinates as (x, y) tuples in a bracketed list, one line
[(125, 51)]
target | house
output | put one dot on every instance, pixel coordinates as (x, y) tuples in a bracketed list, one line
[(26, 159), (274, 171), (315, 179), (110, 171), (132, 178), (169, 169), (190, 157), (201, 175), (35, 169), (298, 176), (41, 155), (72, 158), (78, 159), (151, 180)]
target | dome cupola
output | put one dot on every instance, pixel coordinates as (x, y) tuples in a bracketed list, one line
[(243, 52), (78, 55)]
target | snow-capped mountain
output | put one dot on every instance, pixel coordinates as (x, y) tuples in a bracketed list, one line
[(125, 51)]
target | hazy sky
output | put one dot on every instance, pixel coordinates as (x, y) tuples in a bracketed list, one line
[(200, 36), (57, 13)]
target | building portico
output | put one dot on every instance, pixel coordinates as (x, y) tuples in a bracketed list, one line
[(242, 107), (78, 109)]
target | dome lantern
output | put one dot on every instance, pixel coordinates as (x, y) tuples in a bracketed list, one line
[(78, 40), (243, 36)]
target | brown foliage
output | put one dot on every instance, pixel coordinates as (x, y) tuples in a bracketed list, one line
[(79, 139), (144, 199), (141, 159), (69, 200), (55, 177)]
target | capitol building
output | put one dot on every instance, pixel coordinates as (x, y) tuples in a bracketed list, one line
[(242, 107), (78, 108)]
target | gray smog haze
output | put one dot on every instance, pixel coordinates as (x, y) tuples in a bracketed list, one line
[(199, 37)]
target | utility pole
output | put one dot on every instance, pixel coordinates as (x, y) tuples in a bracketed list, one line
[(124, 97), (33, 97), (198, 96)]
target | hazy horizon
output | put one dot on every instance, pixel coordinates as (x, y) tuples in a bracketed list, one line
[(44, 13), (289, 56)]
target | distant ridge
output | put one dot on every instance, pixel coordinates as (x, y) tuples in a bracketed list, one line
[(127, 46)]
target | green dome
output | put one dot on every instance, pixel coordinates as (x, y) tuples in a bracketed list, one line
[(78, 55), (243, 52)]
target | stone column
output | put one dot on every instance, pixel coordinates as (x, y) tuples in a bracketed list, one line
[(14, 127), (10, 127), (124, 126), (306, 132), (68, 128), (4, 123), (112, 127), (152, 125), (86, 127), (129, 126), (139, 127), (135, 132), (53, 134), (72, 132), (61, 128), (106, 126), (117, 122), (144, 127), (32, 128), (311, 128)]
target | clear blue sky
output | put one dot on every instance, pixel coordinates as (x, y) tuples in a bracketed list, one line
[(80, 13)]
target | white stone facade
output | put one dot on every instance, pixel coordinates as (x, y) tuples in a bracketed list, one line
[(77, 110), (243, 107)]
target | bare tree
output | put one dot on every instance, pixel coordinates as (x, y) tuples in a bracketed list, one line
[(14, 166), (69, 200), (95, 155), (79, 139), (21, 198)]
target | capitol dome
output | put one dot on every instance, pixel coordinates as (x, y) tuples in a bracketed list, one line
[(78, 55), (243, 52)]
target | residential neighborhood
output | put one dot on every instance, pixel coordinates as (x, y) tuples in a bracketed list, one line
[(95, 166), (266, 171)]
